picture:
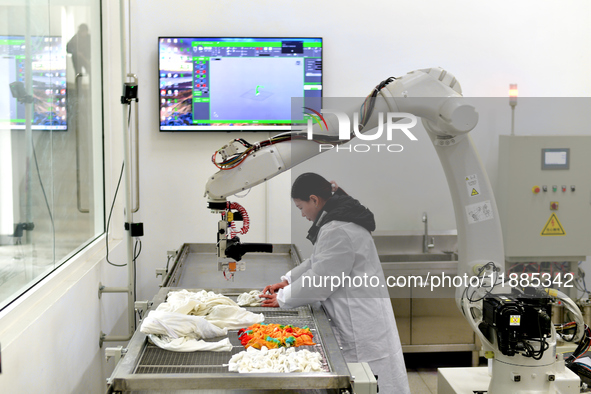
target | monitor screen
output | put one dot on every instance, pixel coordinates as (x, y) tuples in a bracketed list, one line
[(48, 69), (237, 84), (555, 158)]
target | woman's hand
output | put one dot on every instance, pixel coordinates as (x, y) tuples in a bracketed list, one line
[(271, 301), (270, 294), (272, 289)]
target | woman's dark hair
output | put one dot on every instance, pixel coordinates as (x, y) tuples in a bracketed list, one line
[(312, 184)]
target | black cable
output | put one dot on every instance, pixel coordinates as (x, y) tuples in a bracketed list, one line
[(372, 100), (582, 348), (543, 344), (135, 256), (570, 314), (529, 349), (113, 203), (491, 288), (137, 241), (581, 370), (531, 352), (109, 220), (563, 333), (43, 190)]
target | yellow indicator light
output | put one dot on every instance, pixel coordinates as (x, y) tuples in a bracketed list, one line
[(513, 94)]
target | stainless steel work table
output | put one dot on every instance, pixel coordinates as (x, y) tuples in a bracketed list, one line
[(146, 368), (195, 266)]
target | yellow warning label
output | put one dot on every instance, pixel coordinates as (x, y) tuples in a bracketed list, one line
[(515, 320), (472, 186), (553, 227)]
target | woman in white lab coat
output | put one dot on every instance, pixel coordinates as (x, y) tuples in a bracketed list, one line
[(344, 273)]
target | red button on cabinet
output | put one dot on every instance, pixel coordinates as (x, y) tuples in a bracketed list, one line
[(535, 189)]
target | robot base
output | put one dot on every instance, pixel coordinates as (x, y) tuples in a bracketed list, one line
[(550, 378), (531, 379)]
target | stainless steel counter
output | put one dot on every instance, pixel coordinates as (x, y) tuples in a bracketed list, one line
[(146, 368), (195, 266)]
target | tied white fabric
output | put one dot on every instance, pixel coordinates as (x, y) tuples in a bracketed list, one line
[(185, 344), (194, 303), (176, 325), (216, 308), (233, 317), (275, 360), (183, 333), (186, 317), (250, 299)]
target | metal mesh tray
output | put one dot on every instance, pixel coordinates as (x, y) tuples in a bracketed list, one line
[(156, 360), (147, 368)]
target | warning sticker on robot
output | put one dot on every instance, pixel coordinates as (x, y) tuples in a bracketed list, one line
[(472, 185), (553, 227), (479, 212), (515, 320)]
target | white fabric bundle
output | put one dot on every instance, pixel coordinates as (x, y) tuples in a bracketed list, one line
[(176, 325), (233, 317), (186, 344), (275, 360), (186, 317), (199, 303), (250, 299), (218, 309), (183, 333)]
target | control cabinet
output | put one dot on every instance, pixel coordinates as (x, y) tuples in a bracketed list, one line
[(544, 197)]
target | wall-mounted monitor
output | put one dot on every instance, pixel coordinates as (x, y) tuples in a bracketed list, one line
[(237, 83), (48, 71)]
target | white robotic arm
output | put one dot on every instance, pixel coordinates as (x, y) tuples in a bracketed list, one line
[(440, 106), (435, 96)]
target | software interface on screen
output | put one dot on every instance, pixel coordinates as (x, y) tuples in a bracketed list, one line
[(48, 69), (237, 83)]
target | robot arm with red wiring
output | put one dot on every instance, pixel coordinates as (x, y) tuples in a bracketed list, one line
[(515, 329), (445, 115), (229, 248)]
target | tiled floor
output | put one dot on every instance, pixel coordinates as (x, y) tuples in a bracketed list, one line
[(422, 368), (423, 380)]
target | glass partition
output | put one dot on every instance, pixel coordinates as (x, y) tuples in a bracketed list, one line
[(51, 152)]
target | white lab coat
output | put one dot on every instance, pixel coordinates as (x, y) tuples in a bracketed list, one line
[(363, 319)]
